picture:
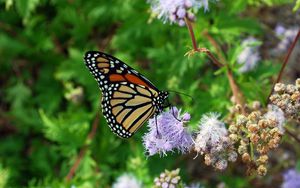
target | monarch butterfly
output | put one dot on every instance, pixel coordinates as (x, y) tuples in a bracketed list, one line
[(128, 98)]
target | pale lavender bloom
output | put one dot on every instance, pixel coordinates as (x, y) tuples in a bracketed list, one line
[(291, 179), (286, 35), (211, 135), (174, 11), (168, 134), (275, 113), (213, 142), (279, 30), (249, 57), (126, 181)]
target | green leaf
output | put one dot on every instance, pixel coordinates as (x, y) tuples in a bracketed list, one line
[(297, 6)]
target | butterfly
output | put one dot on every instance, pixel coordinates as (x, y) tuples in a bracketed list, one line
[(128, 98)]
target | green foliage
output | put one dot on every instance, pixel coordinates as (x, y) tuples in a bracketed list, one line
[(297, 5), (42, 44)]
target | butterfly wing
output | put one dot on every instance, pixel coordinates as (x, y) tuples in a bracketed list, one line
[(127, 96)]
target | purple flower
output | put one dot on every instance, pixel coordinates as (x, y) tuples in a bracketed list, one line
[(174, 11), (279, 30), (167, 132), (249, 57), (291, 179)]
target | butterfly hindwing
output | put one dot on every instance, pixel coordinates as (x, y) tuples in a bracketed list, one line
[(125, 108)]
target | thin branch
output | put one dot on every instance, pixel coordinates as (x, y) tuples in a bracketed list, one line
[(83, 150), (215, 44), (236, 91), (196, 48), (286, 60), (233, 85)]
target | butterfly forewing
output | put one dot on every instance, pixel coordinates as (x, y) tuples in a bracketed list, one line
[(127, 96)]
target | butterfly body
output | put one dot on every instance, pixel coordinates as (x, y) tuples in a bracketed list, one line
[(128, 98)]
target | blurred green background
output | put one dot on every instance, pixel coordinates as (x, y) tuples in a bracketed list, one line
[(49, 100)]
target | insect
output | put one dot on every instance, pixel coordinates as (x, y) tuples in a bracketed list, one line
[(128, 98)]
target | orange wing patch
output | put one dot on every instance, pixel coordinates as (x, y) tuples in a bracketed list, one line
[(128, 77), (116, 78), (136, 80)]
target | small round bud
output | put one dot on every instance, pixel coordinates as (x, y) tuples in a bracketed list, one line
[(262, 159), (264, 136), (262, 170), (242, 149), (241, 120), (238, 108), (274, 97), (254, 116), (256, 105), (207, 160), (232, 156), (253, 128), (273, 143), (221, 165), (254, 138), (263, 123), (244, 142), (279, 88), (246, 158), (290, 89), (274, 131), (295, 96), (233, 137), (232, 128), (297, 83)]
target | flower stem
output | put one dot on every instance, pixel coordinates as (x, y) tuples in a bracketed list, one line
[(195, 47), (286, 60), (233, 85), (191, 30), (83, 150), (251, 151)]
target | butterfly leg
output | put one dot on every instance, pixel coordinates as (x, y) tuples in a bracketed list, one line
[(157, 132), (171, 107)]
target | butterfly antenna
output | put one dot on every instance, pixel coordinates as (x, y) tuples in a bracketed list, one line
[(180, 93)]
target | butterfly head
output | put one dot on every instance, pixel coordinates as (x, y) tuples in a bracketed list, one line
[(161, 101), (163, 95)]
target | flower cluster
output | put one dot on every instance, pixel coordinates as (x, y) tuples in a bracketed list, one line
[(287, 98), (168, 179), (175, 11), (291, 178), (167, 132), (249, 57), (127, 180), (256, 133), (213, 142)]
